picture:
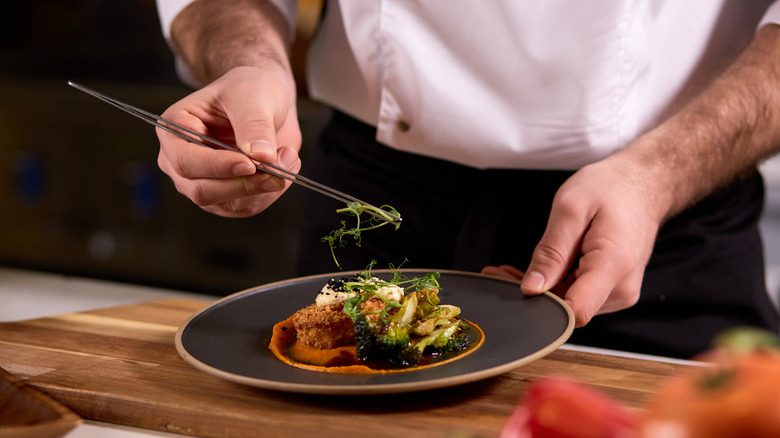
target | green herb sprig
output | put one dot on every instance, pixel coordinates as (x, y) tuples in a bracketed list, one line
[(368, 285), (336, 238)]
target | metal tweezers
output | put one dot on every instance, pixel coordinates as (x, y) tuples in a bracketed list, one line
[(209, 142)]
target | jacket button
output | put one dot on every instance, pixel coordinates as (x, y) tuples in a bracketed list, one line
[(402, 125)]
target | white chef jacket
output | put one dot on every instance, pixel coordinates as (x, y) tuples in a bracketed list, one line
[(529, 84)]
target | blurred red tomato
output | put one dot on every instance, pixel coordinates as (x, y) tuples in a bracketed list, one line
[(562, 408), (737, 395)]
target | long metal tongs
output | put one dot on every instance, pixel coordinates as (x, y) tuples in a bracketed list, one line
[(209, 142)]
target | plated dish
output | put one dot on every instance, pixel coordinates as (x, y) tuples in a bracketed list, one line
[(229, 339)]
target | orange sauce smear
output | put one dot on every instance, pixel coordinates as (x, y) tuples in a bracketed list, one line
[(342, 360)]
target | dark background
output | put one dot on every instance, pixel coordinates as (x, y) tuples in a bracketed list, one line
[(80, 190)]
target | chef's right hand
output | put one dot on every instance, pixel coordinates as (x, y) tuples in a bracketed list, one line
[(251, 108)]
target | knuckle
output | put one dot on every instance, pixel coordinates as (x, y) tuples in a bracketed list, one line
[(239, 208), (231, 209), (628, 295), (179, 165), (218, 210), (198, 195), (616, 303), (622, 297), (214, 170), (249, 187), (296, 137), (547, 254), (581, 317), (250, 210), (569, 204), (162, 162), (630, 300)]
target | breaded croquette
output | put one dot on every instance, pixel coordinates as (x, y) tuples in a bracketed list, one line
[(327, 327), (324, 327)]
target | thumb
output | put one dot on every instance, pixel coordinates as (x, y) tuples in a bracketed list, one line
[(553, 256), (253, 126), (257, 138)]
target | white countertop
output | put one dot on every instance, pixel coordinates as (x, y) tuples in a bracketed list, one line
[(31, 294)]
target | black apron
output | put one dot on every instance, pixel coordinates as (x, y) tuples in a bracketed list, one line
[(706, 273)]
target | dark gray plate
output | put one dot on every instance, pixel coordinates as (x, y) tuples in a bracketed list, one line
[(229, 339)]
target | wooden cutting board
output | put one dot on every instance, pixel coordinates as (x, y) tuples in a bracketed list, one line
[(119, 365)]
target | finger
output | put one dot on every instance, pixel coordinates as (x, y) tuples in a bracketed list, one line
[(584, 303), (187, 160), (556, 251), (249, 206), (254, 125), (206, 192), (503, 271), (244, 207), (288, 159), (242, 195), (179, 157), (594, 290), (515, 272), (606, 280)]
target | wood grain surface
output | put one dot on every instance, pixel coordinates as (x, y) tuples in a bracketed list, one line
[(25, 412), (119, 365)]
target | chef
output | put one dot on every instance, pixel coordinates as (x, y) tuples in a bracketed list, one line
[(603, 150)]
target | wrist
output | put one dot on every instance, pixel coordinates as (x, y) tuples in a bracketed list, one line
[(657, 173), (718, 136), (215, 36)]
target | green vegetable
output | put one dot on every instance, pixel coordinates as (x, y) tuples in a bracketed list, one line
[(366, 285), (454, 340), (405, 330), (336, 237), (384, 343)]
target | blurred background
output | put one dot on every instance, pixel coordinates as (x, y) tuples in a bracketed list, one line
[(80, 190)]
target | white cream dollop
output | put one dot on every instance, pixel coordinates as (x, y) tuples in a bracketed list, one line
[(328, 296), (388, 292)]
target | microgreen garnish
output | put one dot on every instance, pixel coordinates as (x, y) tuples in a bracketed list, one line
[(366, 284), (336, 237)]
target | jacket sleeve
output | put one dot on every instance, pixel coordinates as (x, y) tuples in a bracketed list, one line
[(772, 15)]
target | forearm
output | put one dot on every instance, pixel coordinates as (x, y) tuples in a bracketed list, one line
[(213, 36), (723, 132)]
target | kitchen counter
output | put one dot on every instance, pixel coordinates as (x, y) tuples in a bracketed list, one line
[(30, 294), (25, 295)]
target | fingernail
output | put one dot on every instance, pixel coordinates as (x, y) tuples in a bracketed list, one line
[(242, 169), (258, 146), (287, 158), (533, 282)]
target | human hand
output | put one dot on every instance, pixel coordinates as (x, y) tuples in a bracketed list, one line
[(599, 237), (605, 218), (249, 107)]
